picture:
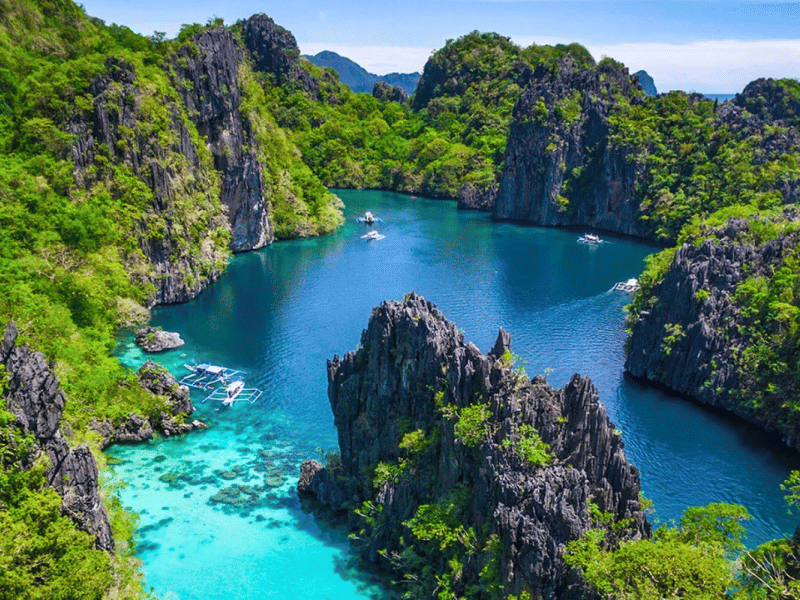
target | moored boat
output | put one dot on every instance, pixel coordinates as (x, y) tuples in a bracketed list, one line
[(589, 238), (232, 390), (372, 235), (368, 218)]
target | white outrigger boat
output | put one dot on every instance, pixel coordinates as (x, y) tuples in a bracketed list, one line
[(233, 392), (225, 385), (372, 235), (204, 375), (368, 218), (589, 238), (629, 286)]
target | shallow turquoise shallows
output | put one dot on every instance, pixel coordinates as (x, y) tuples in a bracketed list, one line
[(219, 515)]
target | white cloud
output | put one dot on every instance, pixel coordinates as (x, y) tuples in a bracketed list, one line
[(378, 59), (712, 66)]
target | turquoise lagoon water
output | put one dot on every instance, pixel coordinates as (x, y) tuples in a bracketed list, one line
[(219, 517)]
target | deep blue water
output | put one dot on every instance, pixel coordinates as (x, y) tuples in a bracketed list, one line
[(280, 312)]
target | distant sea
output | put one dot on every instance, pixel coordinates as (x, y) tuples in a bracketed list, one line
[(720, 97)]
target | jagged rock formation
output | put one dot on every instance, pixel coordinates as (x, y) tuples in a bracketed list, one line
[(152, 339), (415, 378), (35, 399), (388, 93), (770, 100), (560, 167), (647, 83), (171, 165), (173, 420), (213, 167), (692, 334), (274, 50), (213, 99)]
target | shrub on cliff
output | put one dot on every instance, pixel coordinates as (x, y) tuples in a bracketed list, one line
[(700, 157), (692, 560)]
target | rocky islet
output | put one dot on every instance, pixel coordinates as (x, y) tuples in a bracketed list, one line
[(412, 373)]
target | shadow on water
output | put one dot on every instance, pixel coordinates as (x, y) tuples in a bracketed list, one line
[(750, 437), (371, 580), (692, 454)]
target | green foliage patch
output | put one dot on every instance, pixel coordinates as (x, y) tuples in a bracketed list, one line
[(453, 131)]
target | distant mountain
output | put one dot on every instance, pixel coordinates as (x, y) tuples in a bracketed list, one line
[(358, 78), (647, 83)]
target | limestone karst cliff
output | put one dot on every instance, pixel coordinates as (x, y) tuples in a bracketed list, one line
[(429, 425), (716, 322), (32, 394), (191, 146), (560, 167), (587, 147), (136, 138)]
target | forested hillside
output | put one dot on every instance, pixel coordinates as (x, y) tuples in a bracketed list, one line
[(130, 168), (453, 132)]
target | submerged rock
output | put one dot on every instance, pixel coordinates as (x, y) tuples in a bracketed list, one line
[(424, 419), (33, 395)]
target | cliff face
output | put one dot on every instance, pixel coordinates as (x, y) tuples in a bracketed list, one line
[(415, 380), (191, 147), (771, 101), (33, 396), (647, 83), (208, 83), (559, 167), (274, 50), (698, 332), (161, 167)]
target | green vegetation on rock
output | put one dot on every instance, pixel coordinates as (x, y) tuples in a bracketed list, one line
[(452, 132)]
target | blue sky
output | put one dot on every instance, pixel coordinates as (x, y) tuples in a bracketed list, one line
[(695, 45)]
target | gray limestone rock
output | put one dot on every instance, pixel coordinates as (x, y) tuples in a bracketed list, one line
[(690, 336), (387, 92), (477, 197), (113, 130), (35, 399), (151, 339), (136, 428), (412, 369), (548, 153)]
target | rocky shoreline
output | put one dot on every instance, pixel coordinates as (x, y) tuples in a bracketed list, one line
[(33, 395)]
